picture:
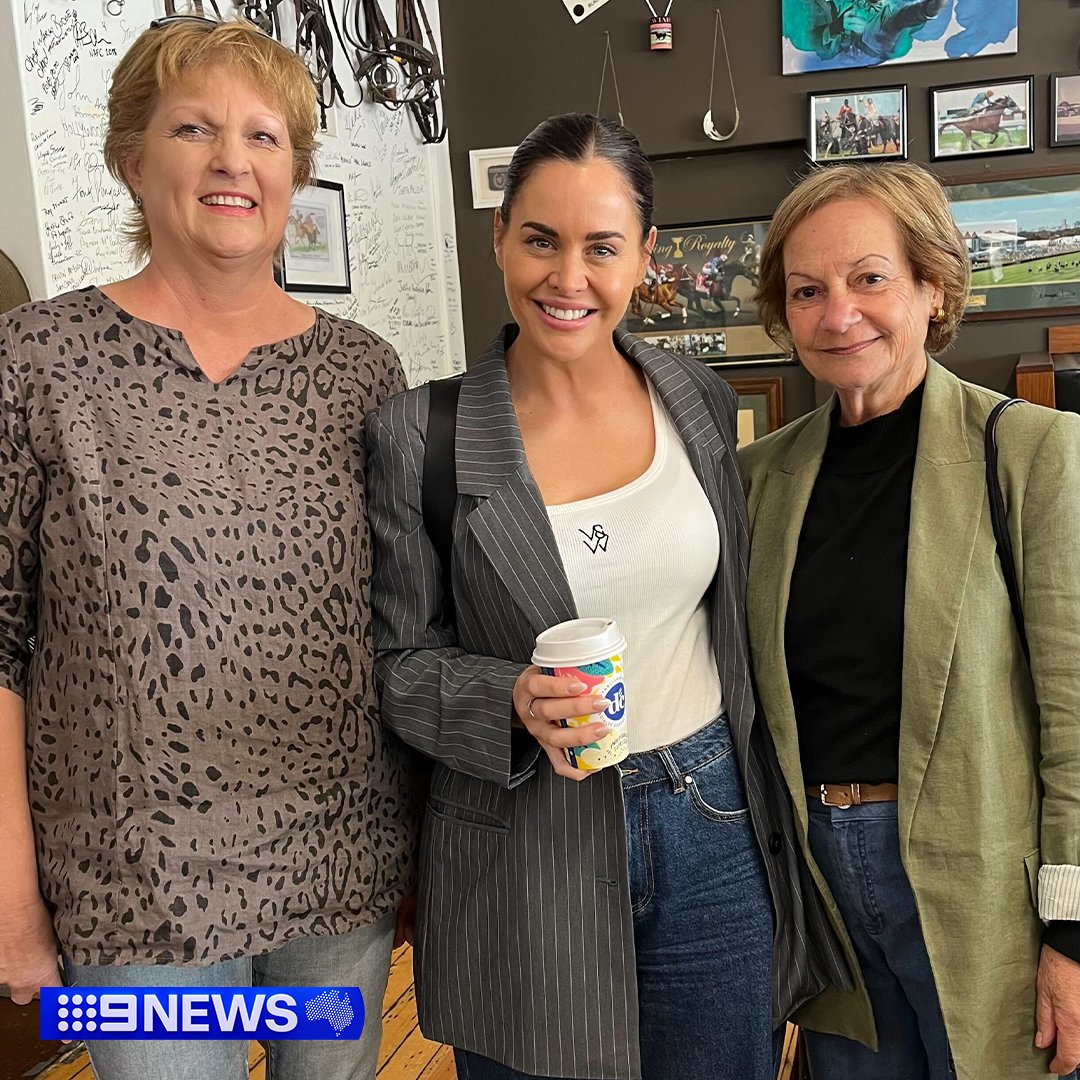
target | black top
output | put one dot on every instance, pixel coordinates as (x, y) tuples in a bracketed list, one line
[(844, 636)]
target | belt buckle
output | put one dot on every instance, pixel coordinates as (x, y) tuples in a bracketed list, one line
[(853, 795)]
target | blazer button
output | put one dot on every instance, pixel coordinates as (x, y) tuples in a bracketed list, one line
[(775, 843)]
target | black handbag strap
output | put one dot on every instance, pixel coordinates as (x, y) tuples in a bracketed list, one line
[(439, 492), (1000, 522)]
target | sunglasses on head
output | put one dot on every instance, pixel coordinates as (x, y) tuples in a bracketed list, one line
[(169, 20), (208, 20)]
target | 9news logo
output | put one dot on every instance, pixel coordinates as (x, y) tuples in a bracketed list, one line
[(201, 1012)]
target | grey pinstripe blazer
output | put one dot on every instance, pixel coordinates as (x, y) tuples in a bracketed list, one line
[(525, 949)]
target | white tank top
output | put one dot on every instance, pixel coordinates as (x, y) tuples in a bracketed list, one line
[(645, 555)]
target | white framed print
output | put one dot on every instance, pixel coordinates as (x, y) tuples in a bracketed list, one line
[(316, 256), (487, 170)]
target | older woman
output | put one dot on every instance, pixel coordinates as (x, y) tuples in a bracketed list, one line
[(195, 789), (937, 773), (620, 925)]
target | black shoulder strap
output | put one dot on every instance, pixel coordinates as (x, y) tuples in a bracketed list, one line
[(439, 493), (1000, 522)]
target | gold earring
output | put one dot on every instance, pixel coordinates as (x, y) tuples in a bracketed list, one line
[(940, 316)]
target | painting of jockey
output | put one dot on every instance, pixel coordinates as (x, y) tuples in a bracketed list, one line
[(699, 288), (825, 34)]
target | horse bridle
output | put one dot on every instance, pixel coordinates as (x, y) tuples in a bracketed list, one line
[(399, 69)]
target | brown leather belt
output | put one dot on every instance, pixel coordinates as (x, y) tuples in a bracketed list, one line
[(845, 795)]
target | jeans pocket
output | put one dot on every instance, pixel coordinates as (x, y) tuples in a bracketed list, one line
[(716, 788), (638, 850)]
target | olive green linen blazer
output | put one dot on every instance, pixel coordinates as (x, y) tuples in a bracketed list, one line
[(989, 806)]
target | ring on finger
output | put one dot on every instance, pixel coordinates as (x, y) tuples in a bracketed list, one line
[(528, 709)]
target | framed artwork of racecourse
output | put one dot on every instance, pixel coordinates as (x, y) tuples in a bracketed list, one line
[(1022, 232)]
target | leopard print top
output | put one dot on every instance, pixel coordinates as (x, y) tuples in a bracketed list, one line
[(208, 776)]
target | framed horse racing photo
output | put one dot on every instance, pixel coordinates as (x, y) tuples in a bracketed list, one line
[(1065, 109), (316, 255), (697, 298), (1022, 233), (976, 119), (854, 125)]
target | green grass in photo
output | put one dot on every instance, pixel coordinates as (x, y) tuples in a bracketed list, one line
[(951, 141), (1052, 270)]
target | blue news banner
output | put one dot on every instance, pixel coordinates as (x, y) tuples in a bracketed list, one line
[(201, 1012)]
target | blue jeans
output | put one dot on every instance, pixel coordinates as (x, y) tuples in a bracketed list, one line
[(858, 851), (703, 924), (361, 959)]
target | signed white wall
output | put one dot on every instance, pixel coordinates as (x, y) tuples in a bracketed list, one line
[(61, 211)]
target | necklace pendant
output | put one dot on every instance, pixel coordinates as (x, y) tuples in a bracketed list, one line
[(660, 34)]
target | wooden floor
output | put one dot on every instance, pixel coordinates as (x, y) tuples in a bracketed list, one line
[(405, 1053)]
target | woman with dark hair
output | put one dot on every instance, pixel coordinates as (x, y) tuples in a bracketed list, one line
[(575, 924)]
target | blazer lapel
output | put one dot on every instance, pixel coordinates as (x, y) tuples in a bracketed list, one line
[(777, 525), (947, 500), (683, 394), (509, 522), (688, 411)]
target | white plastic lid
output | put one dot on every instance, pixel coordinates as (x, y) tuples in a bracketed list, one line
[(579, 641)]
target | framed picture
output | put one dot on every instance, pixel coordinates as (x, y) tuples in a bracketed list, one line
[(989, 117), (1065, 109), (850, 125), (1023, 240), (831, 34), (698, 295), (761, 407), (487, 169), (316, 257)]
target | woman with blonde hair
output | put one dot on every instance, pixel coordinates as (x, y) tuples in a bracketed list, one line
[(196, 790), (935, 767)]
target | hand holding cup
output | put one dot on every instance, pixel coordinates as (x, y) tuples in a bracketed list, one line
[(543, 703), (581, 662)]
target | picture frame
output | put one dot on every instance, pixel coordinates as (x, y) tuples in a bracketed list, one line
[(997, 111), (760, 407), (1022, 231), (487, 171), (316, 254), (697, 299), (858, 125), (833, 35), (1064, 100)]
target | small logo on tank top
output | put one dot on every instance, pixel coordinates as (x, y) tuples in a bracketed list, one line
[(596, 540)]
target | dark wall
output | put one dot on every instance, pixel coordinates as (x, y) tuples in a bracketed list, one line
[(510, 63)]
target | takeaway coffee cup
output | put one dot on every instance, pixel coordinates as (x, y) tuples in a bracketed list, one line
[(592, 650)]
